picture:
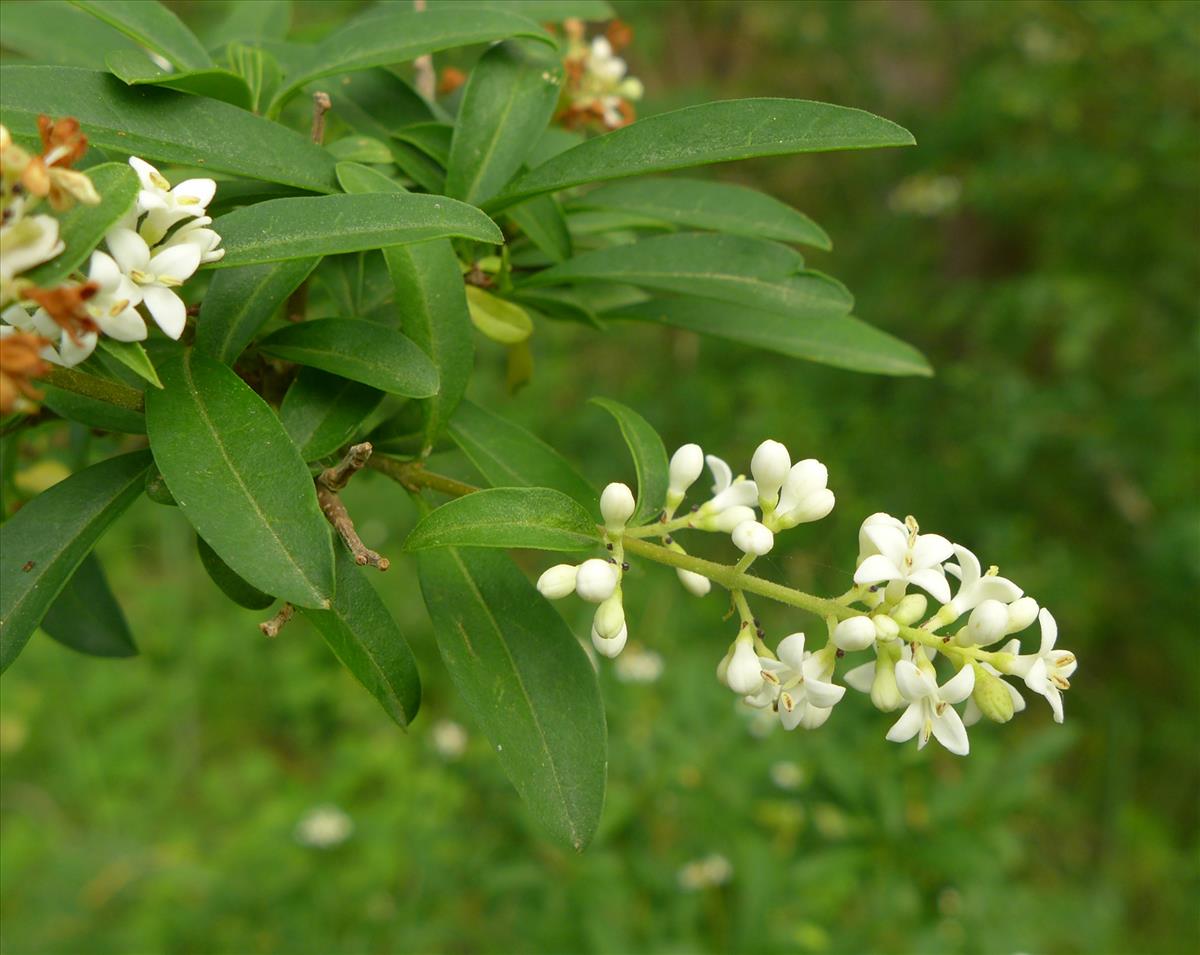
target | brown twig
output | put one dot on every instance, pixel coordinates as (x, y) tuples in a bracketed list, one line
[(424, 77), (271, 628), (412, 476), (329, 483), (322, 104)]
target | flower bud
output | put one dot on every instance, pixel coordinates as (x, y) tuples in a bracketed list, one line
[(751, 537), (744, 673), (909, 610), (992, 696), (725, 521), (695, 584), (987, 623), (610, 648), (687, 463), (610, 618), (1021, 613), (596, 580), (723, 667), (856, 633), (885, 627), (770, 466), (885, 692), (558, 581), (616, 506)]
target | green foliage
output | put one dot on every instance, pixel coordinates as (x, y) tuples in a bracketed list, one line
[(535, 517), (649, 458), (85, 615), (240, 301)]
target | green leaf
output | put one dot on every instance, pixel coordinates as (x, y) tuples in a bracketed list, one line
[(163, 125), (250, 22), (91, 411), (257, 69), (433, 139), (541, 219), (82, 229), (560, 304), (153, 26), (430, 294), (230, 584), (378, 103), (701, 204), (535, 517), (396, 36), (133, 356), (841, 341), (321, 412), (543, 11), (85, 616), (732, 268), (136, 69), (649, 459), (365, 637), (509, 456), (508, 101), (362, 149), (361, 351), (53, 31), (48, 538), (528, 681), (239, 479), (501, 321), (305, 226), (240, 301), (709, 133)]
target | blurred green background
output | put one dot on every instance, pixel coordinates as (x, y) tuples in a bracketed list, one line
[(1039, 244)]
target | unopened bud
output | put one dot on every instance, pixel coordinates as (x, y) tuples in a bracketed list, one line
[(696, 584), (616, 506), (558, 581), (725, 521), (610, 617), (856, 633), (885, 627), (992, 696), (909, 610), (885, 693), (687, 464), (744, 673), (596, 580), (1021, 613), (770, 466), (610, 648), (751, 537), (987, 623)]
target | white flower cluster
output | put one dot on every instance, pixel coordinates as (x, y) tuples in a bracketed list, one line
[(598, 86), (152, 251)]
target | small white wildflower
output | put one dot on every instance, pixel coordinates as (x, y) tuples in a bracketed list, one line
[(163, 205), (449, 739), (904, 557), (156, 274), (637, 665), (1049, 670), (805, 497), (802, 682), (324, 827), (930, 710)]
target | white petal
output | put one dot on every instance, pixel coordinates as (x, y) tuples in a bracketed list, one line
[(823, 694), (751, 537), (908, 725), (972, 714), (744, 675), (1057, 657), (105, 272), (72, 353), (1036, 677), (968, 563), (875, 569), (931, 550), (948, 730), (177, 262), (861, 677), (959, 686), (791, 718), (150, 177), (813, 716), (1054, 698), (167, 309), (721, 472), (1049, 630), (889, 540), (129, 249), (126, 326), (612, 647), (791, 651), (932, 580), (200, 190), (914, 685), (997, 588)]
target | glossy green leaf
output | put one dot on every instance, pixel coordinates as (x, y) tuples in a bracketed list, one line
[(431, 297), (157, 490), (378, 103), (562, 304), (152, 25), (257, 69), (48, 538), (85, 616), (55, 32), (702, 204), (501, 321), (240, 301), (365, 637), (305, 226), (362, 149), (163, 125), (133, 356), (543, 11), (530, 685), (136, 69), (396, 36), (418, 167), (509, 456), (239, 479), (91, 411), (507, 103), (541, 219), (649, 459), (842, 341), (82, 229), (361, 351), (321, 412), (709, 133), (433, 139), (231, 585), (535, 517)]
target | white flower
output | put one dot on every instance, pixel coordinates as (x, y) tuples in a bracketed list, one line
[(25, 243), (165, 206), (987, 624), (596, 579), (112, 307), (800, 684), (743, 674), (449, 739), (603, 63), (929, 708), (805, 497), (610, 647), (770, 466), (696, 584), (63, 349), (1048, 671), (686, 465), (703, 873), (724, 521), (878, 678), (854, 633), (616, 506), (639, 666), (728, 492), (1021, 613), (196, 233), (905, 557), (324, 827), (972, 714), (557, 581), (156, 275), (866, 546), (975, 586), (751, 537)]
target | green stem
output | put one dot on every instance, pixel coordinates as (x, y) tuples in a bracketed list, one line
[(110, 392), (413, 476)]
